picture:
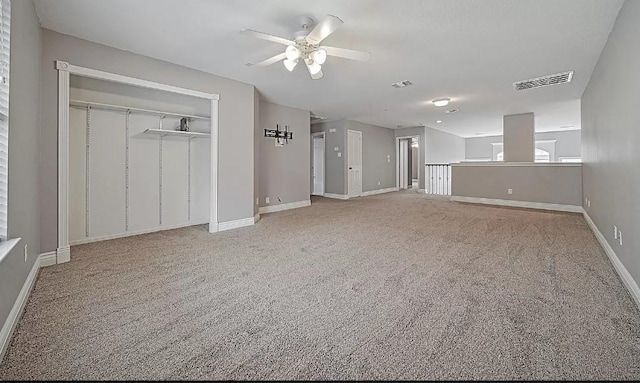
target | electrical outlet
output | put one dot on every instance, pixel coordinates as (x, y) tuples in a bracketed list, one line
[(588, 203), (379, 183), (257, 201), (26, 253), (266, 200), (509, 191), (339, 154), (615, 232), (620, 237)]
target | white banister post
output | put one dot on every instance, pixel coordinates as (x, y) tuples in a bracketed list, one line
[(63, 252)]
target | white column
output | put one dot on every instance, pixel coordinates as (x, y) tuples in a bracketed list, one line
[(213, 206), (63, 252)]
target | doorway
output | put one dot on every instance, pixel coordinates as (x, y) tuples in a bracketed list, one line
[(408, 162), (317, 163), (354, 163)]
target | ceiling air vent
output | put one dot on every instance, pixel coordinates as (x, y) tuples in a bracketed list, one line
[(552, 79), (401, 84)]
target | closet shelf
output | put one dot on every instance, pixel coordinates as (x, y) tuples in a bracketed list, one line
[(97, 105), (176, 133)]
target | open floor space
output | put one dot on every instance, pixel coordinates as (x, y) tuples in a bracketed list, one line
[(393, 286)]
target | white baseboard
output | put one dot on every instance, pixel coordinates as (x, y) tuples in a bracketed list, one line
[(336, 196), (256, 218), (622, 271), (238, 223), (379, 191), (285, 206), (133, 233), (11, 322), (48, 259), (524, 204)]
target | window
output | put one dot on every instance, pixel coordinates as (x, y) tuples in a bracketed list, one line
[(5, 45)]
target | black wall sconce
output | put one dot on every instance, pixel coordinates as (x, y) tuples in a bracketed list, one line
[(282, 136)]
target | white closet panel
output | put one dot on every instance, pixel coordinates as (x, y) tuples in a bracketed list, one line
[(144, 174), (107, 173), (200, 177), (175, 181), (77, 174)]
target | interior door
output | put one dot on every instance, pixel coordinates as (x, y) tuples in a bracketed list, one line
[(318, 165), (354, 163)]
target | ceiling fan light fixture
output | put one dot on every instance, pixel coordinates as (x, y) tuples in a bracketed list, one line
[(290, 64), (314, 68), (292, 53), (319, 56), (441, 101)]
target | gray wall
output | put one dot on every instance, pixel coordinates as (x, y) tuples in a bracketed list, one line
[(236, 122), (611, 138), (24, 133), (284, 171), (421, 132), (555, 184), (256, 151), (443, 148), (518, 132), (334, 166), (568, 144), (377, 144)]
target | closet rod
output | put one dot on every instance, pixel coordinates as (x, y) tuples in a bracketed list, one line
[(97, 105)]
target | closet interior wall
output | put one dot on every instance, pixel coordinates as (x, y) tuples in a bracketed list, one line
[(124, 181)]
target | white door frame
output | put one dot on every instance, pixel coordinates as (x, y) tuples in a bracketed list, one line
[(324, 153), (63, 251), (349, 195), (398, 157)]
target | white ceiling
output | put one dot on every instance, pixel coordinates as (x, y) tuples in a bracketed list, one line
[(469, 50)]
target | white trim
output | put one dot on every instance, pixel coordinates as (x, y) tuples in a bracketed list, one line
[(284, 206), (63, 162), (229, 225), (336, 196), (379, 191), (523, 204), (11, 322), (256, 218), (100, 75), (132, 233), (213, 203), (622, 271), (48, 259), (517, 164), (63, 252)]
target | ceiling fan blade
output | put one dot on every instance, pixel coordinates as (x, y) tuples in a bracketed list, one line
[(316, 76), (324, 29), (271, 60), (266, 36), (347, 53)]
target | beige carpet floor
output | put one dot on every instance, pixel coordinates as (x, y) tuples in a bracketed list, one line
[(382, 287)]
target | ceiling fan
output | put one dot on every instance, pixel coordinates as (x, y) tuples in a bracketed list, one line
[(306, 46)]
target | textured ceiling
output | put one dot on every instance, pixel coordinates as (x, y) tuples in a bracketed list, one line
[(469, 50)]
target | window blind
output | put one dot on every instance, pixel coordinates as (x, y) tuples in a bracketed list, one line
[(5, 46)]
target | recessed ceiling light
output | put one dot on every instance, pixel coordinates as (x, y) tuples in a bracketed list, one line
[(451, 111), (438, 121), (441, 101)]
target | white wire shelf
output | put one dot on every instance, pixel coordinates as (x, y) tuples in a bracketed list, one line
[(176, 133), (97, 105)]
